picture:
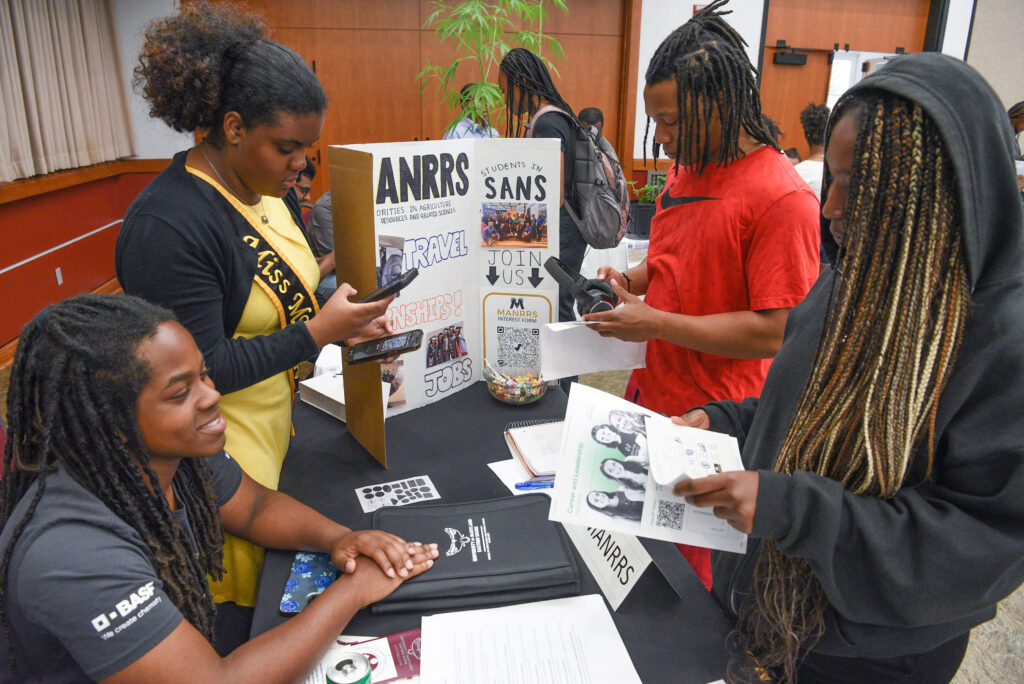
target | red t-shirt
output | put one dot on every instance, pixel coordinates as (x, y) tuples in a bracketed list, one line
[(742, 237)]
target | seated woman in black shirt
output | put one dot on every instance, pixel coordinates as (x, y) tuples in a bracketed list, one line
[(114, 502)]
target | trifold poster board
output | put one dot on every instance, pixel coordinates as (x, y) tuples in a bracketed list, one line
[(478, 219)]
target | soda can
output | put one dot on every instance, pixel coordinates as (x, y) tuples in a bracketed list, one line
[(351, 668)]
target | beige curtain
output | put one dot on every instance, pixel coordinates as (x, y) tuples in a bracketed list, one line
[(63, 96)]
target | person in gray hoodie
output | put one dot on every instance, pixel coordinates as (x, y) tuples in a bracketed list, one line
[(884, 490)]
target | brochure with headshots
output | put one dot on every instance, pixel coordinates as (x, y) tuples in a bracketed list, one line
[(604, 475)]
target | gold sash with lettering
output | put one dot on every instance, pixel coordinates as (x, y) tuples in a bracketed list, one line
[(288, 291)]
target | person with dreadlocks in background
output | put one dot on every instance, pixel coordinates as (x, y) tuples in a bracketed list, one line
[(813, 119), (113, 505), (884, 493), (734, 240), (527, 85), (211, 239)]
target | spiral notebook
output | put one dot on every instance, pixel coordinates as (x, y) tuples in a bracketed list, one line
[(537, 444)]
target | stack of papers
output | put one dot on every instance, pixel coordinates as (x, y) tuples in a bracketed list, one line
[(562, 641)]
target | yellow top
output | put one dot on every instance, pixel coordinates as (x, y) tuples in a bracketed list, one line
[(259, 416)]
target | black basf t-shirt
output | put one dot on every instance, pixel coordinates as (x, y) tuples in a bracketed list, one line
[(83, 598)]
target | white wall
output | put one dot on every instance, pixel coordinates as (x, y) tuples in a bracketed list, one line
[(958, 26), (659, 18), (997, 50), (154, 138)]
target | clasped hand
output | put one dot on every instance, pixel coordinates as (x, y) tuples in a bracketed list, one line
[(395, 556), (732, 495)]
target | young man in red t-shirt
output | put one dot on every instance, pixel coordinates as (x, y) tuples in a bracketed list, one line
[(734, 242)]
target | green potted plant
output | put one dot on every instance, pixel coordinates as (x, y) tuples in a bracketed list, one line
[(483, 31), (642, 208)]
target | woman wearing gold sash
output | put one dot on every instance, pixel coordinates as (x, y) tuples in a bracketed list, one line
[(211, 239)]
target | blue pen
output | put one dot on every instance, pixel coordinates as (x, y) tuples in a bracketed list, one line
[(543, 484)]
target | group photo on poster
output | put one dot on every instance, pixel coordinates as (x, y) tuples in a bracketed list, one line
[(445, 344), (513, 224)]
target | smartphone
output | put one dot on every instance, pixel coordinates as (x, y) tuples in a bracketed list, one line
[(311, 574), (382, 347), (391, 288)]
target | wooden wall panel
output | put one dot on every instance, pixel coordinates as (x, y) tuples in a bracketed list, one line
[(336, 14), (368, 53), (587, 18), (786, 89), (434, 112), (590, 76), (36, 230), (867, 25), (364, 14)]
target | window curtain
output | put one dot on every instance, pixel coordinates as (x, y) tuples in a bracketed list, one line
[(63, 96)]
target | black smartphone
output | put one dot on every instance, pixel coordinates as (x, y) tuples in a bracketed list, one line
[(391, 288), (383, 347)]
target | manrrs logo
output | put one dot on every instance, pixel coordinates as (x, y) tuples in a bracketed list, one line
[(125, 607), (516, 303)]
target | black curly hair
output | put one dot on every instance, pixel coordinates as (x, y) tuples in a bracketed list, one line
[(206, 61), (814, 118), (74, 386)]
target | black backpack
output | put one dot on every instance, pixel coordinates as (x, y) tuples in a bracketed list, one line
[(602, 198)]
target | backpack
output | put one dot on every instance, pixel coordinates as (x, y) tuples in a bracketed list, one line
[(602, 199)]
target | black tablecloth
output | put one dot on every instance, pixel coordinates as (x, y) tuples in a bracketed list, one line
[(668, 638)]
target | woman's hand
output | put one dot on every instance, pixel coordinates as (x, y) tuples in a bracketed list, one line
[(393, 554), (733, 495), (697, 418), (370, 584), (634, 321), (339, 319)]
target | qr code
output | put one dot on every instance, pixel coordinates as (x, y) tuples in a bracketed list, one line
[(670, 514), (519, 348)]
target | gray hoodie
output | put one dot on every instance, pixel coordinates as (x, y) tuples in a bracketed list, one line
[(905, 575)]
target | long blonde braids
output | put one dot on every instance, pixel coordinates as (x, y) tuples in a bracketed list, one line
[(891, 336)]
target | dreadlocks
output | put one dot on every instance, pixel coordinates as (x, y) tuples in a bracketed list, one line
[(891, 336), (529, 85), (706, 58), (74, 386)]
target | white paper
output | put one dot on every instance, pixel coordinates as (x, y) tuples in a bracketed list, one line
[(327, 393), (539, 445), (328, 362), (562, 641), (682, 453), (615, 560), (571, 348), (512, 471), (603, 478)]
